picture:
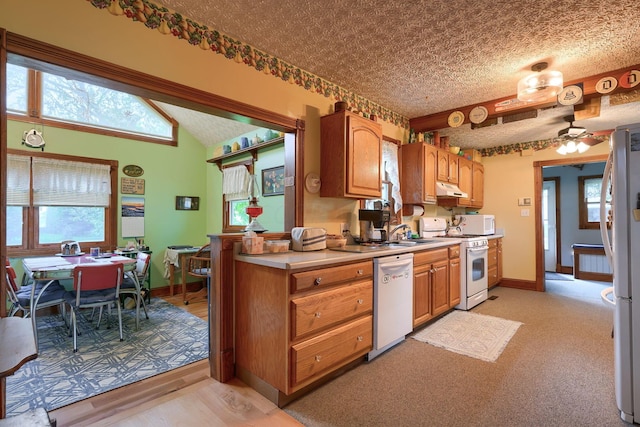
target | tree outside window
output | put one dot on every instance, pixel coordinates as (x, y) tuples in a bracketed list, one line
[(589, 190)]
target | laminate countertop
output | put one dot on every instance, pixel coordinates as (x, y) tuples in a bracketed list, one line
[(301, 260)]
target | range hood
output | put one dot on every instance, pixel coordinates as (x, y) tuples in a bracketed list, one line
[(445, 189)]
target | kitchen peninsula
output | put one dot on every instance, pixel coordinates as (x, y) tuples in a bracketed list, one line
[(304, 317)]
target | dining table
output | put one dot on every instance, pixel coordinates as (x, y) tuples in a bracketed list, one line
[(46, 270)]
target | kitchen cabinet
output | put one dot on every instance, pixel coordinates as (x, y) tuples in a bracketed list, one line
[(470, 181), (494, 266), (447, 167), (350, 156), (294, 328), (454, 275), (430, 284), (419, 164)]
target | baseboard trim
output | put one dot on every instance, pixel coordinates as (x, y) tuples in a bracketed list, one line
[(528, 285)]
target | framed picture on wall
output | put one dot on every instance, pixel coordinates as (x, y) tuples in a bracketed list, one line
[(273, 181), (187, 203)]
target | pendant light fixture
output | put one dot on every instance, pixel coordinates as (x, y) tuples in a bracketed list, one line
[(543, 84)]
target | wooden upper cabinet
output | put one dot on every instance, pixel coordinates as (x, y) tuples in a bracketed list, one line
[(350, 156), (470, 181), (477, 188), (419, 165), (447, 167)]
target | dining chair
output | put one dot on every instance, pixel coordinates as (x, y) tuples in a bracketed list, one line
[(20, 296), (130, 287), (95, 286), (199, 265)]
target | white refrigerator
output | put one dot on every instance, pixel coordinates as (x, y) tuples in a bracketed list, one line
[(623, 250)]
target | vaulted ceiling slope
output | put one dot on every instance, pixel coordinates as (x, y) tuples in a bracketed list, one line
[(422, 57)]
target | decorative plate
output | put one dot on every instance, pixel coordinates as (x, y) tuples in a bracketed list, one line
[(630, 79), (133, 170), (456, 119), (570, 95), (606, 85), (478, 115)]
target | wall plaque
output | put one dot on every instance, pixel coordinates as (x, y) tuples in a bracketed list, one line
[(132, 186)]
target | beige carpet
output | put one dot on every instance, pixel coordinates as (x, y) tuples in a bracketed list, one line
[(556, 371), (472, 334)]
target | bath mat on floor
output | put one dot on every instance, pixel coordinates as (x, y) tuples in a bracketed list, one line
[(472, 334)]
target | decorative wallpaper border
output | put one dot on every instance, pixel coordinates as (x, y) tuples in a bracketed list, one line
[(167, 22), (541, 144)]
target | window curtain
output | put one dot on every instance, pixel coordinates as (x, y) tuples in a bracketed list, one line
[(390, 167), (235, 183), (67, 183), (18, 180)]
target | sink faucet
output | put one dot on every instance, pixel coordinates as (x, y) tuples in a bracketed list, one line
[(395, 230)]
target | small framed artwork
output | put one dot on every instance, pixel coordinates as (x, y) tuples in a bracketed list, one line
[(187, 203), (273, 181)]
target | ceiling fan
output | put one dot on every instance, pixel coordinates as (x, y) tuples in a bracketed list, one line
[(574, 138)]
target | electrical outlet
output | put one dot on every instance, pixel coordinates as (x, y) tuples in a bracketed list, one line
[(344, 227), (524, 212)]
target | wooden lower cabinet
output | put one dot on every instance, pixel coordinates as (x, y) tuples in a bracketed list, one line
[(295, 328), (454, 275), (494, 268), (435, 288)]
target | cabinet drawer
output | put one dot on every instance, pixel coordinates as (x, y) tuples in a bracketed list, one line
[(427, 257), (454, 251), (330, 276), (331, 349), (320, 310)]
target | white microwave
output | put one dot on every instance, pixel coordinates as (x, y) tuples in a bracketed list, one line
[(478, 225)]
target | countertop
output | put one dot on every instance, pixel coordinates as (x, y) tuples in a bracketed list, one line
[(298, 260)]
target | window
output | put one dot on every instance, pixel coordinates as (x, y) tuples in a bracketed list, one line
[(52, 198), (235, 218), (589, 188), (58, 101)]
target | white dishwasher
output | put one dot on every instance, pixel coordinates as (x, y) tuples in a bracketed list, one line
[(392, 301)]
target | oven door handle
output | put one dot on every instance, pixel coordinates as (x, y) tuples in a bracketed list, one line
[(482, 249)]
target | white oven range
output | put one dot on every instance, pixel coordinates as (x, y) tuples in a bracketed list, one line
[(474, 257)]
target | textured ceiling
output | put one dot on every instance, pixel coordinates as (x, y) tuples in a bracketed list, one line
[(422, 57)]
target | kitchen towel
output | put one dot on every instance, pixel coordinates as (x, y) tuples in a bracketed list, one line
[(235, 183)]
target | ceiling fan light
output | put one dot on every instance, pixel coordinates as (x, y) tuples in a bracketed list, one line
[(582, 147), (571, 147), (540, 86), (562, 149)]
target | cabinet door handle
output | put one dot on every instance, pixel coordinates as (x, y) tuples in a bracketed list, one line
[(360, 338), (317, 315), (317, 281), (360, 301), (318, 357), (359, 272)]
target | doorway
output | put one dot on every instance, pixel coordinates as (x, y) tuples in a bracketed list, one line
[(539, 218)]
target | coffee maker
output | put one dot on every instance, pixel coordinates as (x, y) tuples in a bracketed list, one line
[(373, 224)]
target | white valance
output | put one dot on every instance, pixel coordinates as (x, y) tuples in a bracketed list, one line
[(18, 180), (235, 183), (390, 166), (67, 183)]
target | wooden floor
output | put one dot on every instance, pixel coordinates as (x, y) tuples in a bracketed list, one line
[(187, 396)]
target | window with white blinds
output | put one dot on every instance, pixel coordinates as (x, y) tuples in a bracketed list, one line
[(18, 180), (68, 183)]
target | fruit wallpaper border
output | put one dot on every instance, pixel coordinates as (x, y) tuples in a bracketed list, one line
[(168, 22)]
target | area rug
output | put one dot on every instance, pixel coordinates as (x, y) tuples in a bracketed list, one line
[(471, 334), (549, 275), (170, 338)]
